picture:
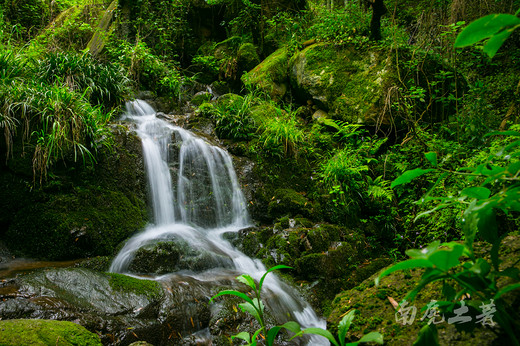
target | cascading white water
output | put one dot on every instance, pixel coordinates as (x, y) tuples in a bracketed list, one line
[(207, 204)]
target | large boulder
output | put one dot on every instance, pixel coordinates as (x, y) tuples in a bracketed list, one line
[(81, 210), (360, 84), (271, 75)]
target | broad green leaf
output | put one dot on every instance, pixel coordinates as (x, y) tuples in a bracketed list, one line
[(248, 280), (344, 325), (496, 41), (485, 27), (480, 267), (446, 259), (424, 253), (233, 293), (432, 157), (408, 176), (506, 289), (408, 264), (271, 335), (448, 291), (290, 326), (487, 224), (247, 307), (321, 332), (428, 336), (244, 336), (503, 133), (372, 337), (476, 192)]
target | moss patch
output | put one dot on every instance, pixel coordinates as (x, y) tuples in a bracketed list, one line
[(86, 223), (271, 75), (123, 283), (45, 332)]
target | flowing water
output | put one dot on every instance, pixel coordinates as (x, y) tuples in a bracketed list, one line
[(196, 200)]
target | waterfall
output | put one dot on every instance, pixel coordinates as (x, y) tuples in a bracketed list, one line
[(203, 205)]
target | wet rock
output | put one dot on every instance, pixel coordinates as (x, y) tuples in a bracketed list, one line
[(121, 309), (173, 256)]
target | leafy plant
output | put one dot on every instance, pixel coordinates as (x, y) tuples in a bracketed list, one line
[(497, 188), (256, 308), (496, 28), (282, 131)]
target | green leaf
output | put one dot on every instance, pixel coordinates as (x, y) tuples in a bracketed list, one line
[(408, 264), (447, 259), (476, 192), (485, 27), (432, 157), (321, 332), (424, 253), (344, 325), (428, 336), (506, 289), (248, 280), (503, 133), (247, 307), (233, 293), (496, 41), (408, 176), (372, 337), (481, 267), (290, 326), (244, 336)]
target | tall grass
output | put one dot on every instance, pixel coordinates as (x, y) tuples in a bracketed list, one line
[(58, 115), (103, 84)]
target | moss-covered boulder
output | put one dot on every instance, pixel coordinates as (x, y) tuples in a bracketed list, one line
[(347, 82), (45, 332), (87, 223), (271, 75), (359, 84), (330, 257), (247, 57), (377, 312), (80, 211), (288, 202)]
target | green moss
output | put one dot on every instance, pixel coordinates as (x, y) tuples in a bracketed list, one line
[(247, 57), (271, 75), (122, 283), (289, 202), (85, 223), (45, 332)]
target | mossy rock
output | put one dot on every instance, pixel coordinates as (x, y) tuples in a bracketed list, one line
[(87, 223), (123, 283), (271, 75), (288, 202), (354, 84), (45, 332), (247, 57)]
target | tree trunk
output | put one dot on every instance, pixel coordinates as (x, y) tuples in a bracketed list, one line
[(378, 10)]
